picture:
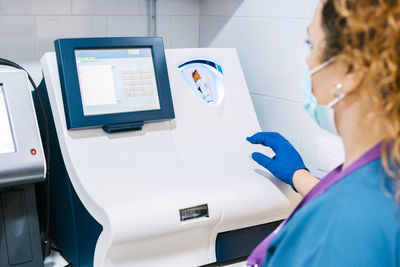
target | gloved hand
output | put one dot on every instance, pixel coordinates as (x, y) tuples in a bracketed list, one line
[(286, 161)]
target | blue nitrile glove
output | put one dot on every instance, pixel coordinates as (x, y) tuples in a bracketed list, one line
[(286, 161)]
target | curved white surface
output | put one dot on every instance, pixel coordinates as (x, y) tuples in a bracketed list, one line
[(134, 184)]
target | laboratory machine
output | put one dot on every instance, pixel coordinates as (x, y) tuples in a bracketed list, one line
[(151, 163), (22, 164)]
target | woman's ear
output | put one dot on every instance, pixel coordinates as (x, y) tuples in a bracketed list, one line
[(352, 77), (351, 82)]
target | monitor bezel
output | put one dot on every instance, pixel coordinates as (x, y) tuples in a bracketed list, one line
[(71, 93)]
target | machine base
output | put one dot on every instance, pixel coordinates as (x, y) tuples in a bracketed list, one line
[(19, 228), (239, 243)]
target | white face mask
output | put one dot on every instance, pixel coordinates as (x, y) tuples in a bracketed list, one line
[(324, 116)]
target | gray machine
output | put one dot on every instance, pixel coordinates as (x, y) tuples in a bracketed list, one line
[(22, 163)]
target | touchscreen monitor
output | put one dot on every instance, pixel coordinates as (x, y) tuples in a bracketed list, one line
[(7, 144), (116, 83), (117, 80)]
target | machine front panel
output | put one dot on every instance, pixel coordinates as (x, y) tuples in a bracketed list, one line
[(21, 152), (164, 193)]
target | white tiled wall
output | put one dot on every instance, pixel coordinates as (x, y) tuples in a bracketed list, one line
[(29, 27), (269, 36)]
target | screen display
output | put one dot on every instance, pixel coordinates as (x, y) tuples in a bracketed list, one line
[(117, 80), (7, 144)]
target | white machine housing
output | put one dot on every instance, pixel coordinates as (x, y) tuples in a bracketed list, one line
[(135, 183)]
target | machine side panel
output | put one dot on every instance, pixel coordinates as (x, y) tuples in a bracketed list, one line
[(74, 230), (88, 232), (62, 221)]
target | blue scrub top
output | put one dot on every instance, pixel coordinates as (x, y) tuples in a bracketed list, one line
[(356, 222)]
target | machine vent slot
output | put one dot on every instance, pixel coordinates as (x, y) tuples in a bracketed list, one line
[(194, 213)]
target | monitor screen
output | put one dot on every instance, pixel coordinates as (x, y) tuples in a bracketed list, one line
[(7, 144), (117, 80)]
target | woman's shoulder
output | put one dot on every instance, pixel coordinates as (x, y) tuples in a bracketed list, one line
[(371, 181), (356, 220), (367, 199)]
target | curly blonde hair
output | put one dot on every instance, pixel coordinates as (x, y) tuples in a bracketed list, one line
[(366, 36)]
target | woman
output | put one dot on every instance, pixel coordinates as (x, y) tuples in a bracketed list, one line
[(351, 217)]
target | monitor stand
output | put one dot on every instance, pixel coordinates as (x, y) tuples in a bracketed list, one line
[(123, 127)]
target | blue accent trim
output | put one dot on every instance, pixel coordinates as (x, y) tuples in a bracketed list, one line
[(203, 61), (220, 69), (65, 51), (240, 243)]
